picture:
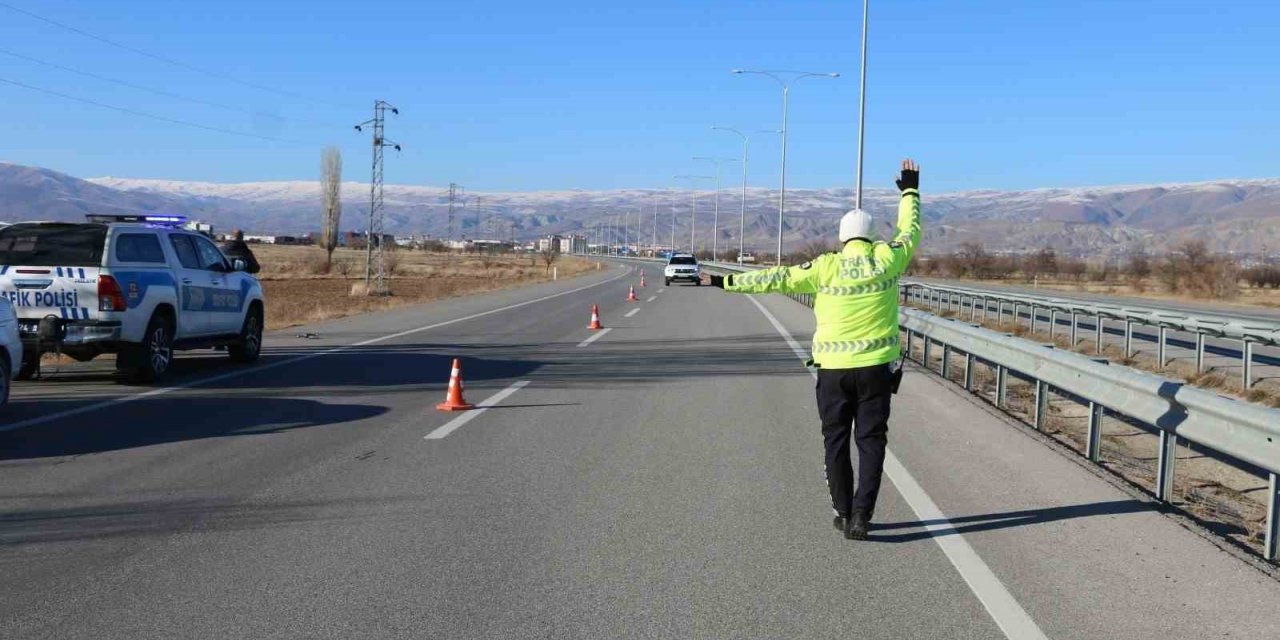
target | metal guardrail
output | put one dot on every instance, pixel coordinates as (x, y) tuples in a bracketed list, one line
[(1243, 431), (1249, 331)]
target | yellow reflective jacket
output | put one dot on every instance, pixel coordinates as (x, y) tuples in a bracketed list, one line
[(856, 293)]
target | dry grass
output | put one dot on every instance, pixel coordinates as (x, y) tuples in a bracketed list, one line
[(299, 291), (1245, 296)]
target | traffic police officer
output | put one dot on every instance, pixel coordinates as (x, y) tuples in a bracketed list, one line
[(855, 346)]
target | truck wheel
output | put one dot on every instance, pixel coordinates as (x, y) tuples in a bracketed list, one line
[(30, 366), (249, 346), (149, 361)]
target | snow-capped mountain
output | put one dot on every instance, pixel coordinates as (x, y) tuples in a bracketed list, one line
[(1234, 215)]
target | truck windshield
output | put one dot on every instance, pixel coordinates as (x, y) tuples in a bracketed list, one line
[(52, 245), (683, 260)]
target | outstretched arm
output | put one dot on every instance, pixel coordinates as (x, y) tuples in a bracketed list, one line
[(798, 279)]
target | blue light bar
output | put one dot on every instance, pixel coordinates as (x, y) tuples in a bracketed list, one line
[(133, 217)]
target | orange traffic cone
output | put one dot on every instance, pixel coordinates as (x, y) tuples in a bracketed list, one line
[(631, 295), (453, 397), (595, 318)]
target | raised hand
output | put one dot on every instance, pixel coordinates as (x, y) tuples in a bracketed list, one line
[(910, 176)]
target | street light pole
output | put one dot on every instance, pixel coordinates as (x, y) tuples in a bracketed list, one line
[(654, 244), (673, 221), (742, 216), (693, 217), (715, 229), (862, 100), (794, 76)]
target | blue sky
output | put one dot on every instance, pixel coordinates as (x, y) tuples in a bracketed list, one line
[(601, 94)]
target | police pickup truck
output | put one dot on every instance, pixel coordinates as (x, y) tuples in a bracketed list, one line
[(137, 286)]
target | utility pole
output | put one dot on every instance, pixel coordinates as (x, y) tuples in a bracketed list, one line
[(375, 263), (453, 197)]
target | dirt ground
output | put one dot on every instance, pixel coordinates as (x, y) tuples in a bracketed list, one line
[(299, 291)]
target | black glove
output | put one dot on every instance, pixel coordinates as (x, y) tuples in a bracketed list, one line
[(716, 281), (910, 178)]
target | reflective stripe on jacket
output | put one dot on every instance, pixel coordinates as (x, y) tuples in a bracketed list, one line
[(856, 301)]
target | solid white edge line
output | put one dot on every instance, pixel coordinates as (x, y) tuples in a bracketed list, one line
[(452, 425), (30, 422), (1000, 604), (651, 298), (631, 313), (599, 334)]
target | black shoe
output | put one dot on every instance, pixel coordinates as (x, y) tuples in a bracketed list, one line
[(841, 523), (859, 525)]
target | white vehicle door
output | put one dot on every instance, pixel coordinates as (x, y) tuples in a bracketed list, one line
[(226, 297), (194, 286)]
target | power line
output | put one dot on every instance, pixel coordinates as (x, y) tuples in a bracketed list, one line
[(152, 116), (164, 59), (159, 92)]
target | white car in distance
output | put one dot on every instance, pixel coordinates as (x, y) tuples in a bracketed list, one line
[(682, 267)]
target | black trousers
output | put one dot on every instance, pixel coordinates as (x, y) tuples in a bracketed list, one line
[(855, 401)]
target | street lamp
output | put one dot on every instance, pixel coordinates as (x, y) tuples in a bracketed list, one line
[(715, 226), (791, 77), (693, 216)]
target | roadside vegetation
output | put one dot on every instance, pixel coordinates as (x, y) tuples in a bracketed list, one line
[(302, 285), (1190, 271)]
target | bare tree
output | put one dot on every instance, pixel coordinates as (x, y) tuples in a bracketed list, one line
[(331, 201), (550, 255)]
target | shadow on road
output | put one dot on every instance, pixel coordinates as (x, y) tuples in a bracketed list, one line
[(147, 518), (173, 419), (1006, 520)]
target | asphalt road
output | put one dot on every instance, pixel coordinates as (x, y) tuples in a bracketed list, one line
[(662, 480)]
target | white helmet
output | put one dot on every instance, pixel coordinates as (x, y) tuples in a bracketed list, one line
[(857, 224)]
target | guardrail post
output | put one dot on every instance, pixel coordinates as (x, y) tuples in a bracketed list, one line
[(1272, 539), (910, 333), (924, 360), (1016, 318), (1053, 322), (1094, 448), (968, 372), (938, 301), (1002, 385), (1075, 328), (1164, 471), (1098, 327), (1199, 352), (1034, 318), (946, 361), (1247, 353), (1164, 332), (1128, 338), (984, 309), (1042, 405)]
